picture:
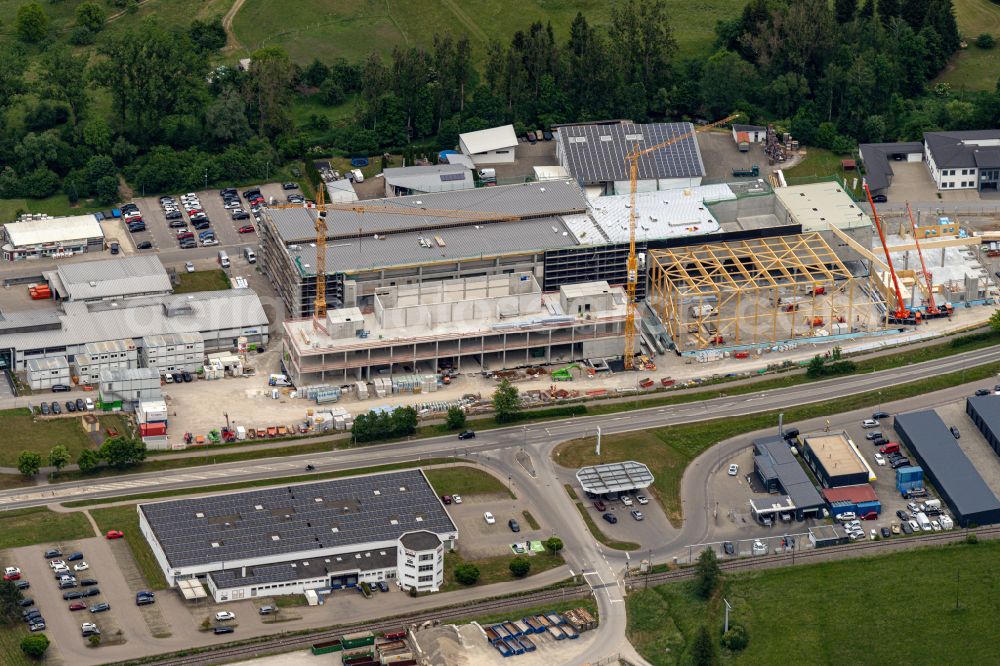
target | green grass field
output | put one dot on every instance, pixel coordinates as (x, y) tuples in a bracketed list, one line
[(465, 481), (215, 280), (126, 519), (796, 615), (10, 645), (57, 204), (23, 433), (495, 569), (26, 527), (353, 28), (974, 68), (820, 163)]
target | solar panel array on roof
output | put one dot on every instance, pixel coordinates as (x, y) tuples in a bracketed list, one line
[(596, 153), (614, 477), (948, 468), (292, 519), (452, 176)]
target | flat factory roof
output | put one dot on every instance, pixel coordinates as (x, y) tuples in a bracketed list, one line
[(776, 457), (596, 153), (614, 477), (859, 493), (292, 519), (441, 209), (315, 567), (662, 214), (836, 454), (818, 205), (53, 230), (404, 247), (947, 466), (111, 277), (987, 408), (485, 140), (81, 322)]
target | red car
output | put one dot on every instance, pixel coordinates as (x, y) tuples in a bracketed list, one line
[(247, 229), (600, 506), (77, 606), (115, 534), (12, 576)]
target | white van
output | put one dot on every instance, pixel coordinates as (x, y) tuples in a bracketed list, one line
[(358, 176), (223, 259), (932, 504), (924, 522), (249, 255)]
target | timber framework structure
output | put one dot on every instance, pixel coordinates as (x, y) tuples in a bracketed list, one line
[(760, 292)]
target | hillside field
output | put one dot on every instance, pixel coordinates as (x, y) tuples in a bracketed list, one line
[(973, 68)]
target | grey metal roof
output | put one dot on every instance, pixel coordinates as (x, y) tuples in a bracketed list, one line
[(878, 166), (83, 322), (596, 153), (775, 454), (42, 364), (987, 409), (316, 567), (950, 149), (431, 178), (306, 517), (114, 277), (401, 249), (748, 128), (555, 197), (947, 466), (614, 477), (420, 540)]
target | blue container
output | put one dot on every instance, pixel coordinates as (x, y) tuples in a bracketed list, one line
[(868, 507)]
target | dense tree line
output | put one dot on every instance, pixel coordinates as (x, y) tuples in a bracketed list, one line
[(833, 74)]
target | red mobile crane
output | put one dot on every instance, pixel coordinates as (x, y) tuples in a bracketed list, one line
[(901, 315), (933, 311)]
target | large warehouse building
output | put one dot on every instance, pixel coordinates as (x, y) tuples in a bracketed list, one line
[(313, 536), (984, 410), (105, 279), (52, 237), (835, 460), (470, 324), (948, 468)]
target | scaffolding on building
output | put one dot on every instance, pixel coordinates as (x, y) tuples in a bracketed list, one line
[(759, 291)]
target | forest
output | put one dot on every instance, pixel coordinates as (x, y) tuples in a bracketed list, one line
[(154, 107)]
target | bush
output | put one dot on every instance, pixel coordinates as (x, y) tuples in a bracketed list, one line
[(736, 639), (35, 645), (456, 418), (986, 41), (553, 544), (520, 566), (972, 539), (81, 36), (467, 574)]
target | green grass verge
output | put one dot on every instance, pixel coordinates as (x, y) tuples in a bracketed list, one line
[(27, 527), (530, 519), (596, 532), (259, 483), (290, 601), (587, 603), (56, 205), (820, 163), (465, 480), (21, 432), (126, 519), (214, 280), (570, 491), (815, 599), (14, 481), (668, 450), (10, 645), (495, 569)]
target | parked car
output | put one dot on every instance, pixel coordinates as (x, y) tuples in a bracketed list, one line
[(57, 563), (734, 469), (82, 566), (265, 610), (382, 586), (115, 534), (144, 245), (983, 392), (75, 594), (728, 548), (488, 517), (52, 552), (88, 582), (906, 527), (457, 499), (467, 434), (514, 527), (600, 506), (879, 459), (902, 515), (869, 423), (873, 435), (954, 432), (223, 630), (637, 515), (246, 229), (78, 606), (44, 408), (626, 500), (61, 388), (27, 601), (22, 584), (101, 607), (189, 267), (642, 499), (56, 409), (37, 626), (289, 186), (224, 616), (886, 533), (880, 415), (75, 556), (759, 548), (89, 629), (446, 499), (610, 517)]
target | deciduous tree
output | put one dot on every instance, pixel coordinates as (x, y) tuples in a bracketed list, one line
[(59, 456), (506, 402), (32, 22), (28, 463)]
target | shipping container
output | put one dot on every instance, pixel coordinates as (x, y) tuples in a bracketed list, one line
[(357, 640)]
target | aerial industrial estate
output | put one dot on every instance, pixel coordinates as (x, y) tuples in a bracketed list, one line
[(608, 267)]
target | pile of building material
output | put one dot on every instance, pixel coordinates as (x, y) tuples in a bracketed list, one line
[(331, 419), (361, 391), (383, 387), (415, 384)]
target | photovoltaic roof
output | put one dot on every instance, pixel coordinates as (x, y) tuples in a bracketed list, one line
[(596, 153), (292, 519)]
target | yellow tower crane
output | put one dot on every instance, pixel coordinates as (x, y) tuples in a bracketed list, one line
[(633, 263)]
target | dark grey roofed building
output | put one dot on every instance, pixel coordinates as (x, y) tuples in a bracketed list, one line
[(961, 486), (984, 410), (879, 157), (780, 471), (964, 160)]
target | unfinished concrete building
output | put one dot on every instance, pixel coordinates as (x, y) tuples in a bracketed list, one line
[(754, 293), (471, 324)]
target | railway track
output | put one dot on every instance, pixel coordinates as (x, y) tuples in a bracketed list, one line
[(303, 641), (277, 644)]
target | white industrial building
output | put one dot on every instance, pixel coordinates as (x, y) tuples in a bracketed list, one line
[(44, 373), (320, 536), (496, 145), (220, 317), (174, 352), (125, 277), (51, 237), (109, 355), (484, 323)]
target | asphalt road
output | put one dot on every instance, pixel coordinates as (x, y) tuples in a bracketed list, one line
[(600, 567)]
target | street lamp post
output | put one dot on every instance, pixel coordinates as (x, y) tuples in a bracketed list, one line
[(206, 179)]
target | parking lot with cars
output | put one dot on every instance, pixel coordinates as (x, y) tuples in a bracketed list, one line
[(631, 516)]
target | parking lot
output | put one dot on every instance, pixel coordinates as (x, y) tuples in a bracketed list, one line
[(480, 539), (651, 529)]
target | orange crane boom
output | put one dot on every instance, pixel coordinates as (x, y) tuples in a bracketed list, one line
[(932, 309), (632, 281), (902, 315)]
